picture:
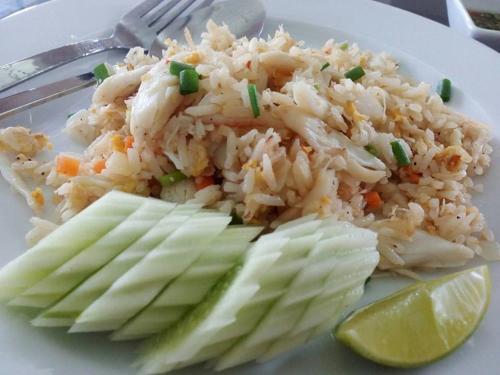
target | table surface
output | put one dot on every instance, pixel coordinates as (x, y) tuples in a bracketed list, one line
[(433, 9)]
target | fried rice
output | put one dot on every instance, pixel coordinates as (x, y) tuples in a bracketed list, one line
[(310, 150)]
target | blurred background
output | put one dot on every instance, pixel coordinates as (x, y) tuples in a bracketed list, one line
[(433, 9)]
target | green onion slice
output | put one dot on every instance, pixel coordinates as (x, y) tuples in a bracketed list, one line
[(400, 154), (372, 150), (355, 73), (252, 93), (325, 65), (176, 68), (101, 72), (188, 82), (172, 178), (344, 46), (444, 90)]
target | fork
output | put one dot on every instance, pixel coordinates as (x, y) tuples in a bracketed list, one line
[(139, 27), (243, 17)]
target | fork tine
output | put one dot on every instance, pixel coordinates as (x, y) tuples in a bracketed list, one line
[(144, 7), (161, 11), (168, 17)]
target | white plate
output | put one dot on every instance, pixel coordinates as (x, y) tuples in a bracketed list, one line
[(426, 50)]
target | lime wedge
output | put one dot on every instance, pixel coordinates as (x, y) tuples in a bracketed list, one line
[(420, 323)]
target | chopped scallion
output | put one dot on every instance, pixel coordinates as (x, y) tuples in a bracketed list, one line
[(252, 93), (372, 150), (325, 65), (344, 46), (188, 81), (400, 154), (444, 90), (316, 86), (172, 178), (101, 72), (355, 73), (176, 68)]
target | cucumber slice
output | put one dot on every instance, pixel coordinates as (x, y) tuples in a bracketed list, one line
[(296, 228), (190, 288), (64, 312), (140, 285), (67, 240), (198, 328), (273, 286), (313, 279), (292, 341), (262, 293), (318, 312), (295, 223), (315, 270), (269, 267), (343, 287), (86, 262)]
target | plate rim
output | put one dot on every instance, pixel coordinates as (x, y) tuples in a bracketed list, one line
[(281, 9)]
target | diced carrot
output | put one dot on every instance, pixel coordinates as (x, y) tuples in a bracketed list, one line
[(67, 165), (129, 141), (411, 175), (373, 200), (99, 165), (202, 182), (414, 178)]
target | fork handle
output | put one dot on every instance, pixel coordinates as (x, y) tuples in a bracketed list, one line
[(21, 70)]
